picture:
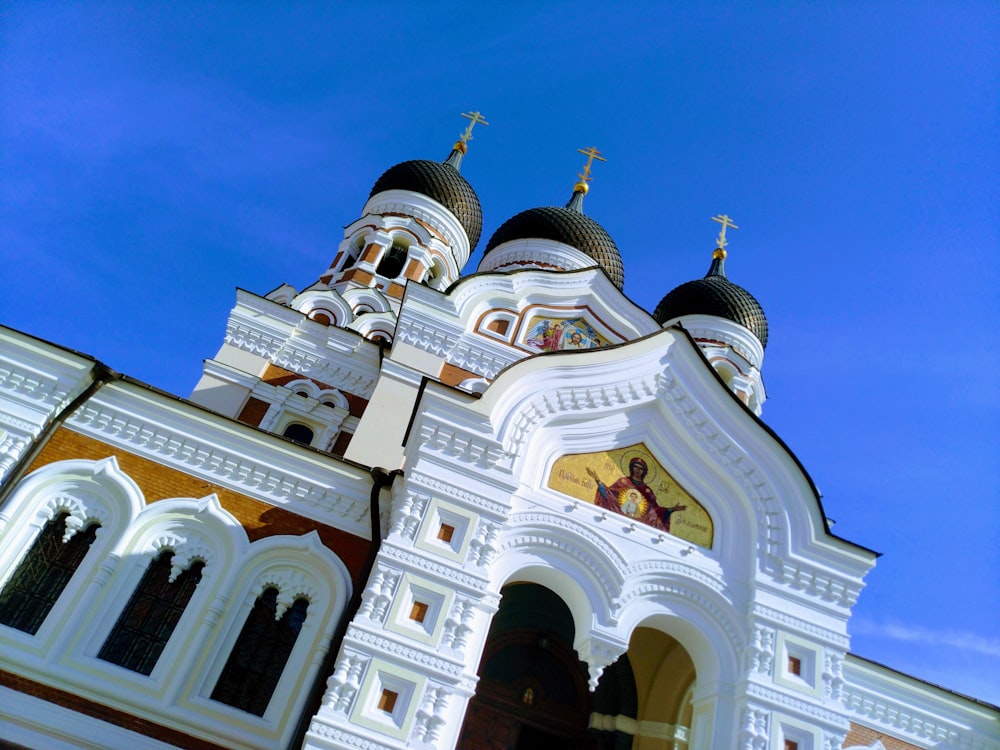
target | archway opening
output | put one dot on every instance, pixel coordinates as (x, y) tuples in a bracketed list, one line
[(656, 714), (532, 692)]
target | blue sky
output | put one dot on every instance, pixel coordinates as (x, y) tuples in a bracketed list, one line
[(155, 156)]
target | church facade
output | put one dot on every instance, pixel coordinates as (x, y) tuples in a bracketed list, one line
[(408, 507)]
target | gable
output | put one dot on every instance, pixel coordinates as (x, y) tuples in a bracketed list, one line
[(659, 393)]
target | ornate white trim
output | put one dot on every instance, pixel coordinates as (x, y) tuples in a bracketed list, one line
[(261, 468), (450, 492), (455, 577), (385, 646), (790, 622), (815, 712), (426, 209), (535, 253)]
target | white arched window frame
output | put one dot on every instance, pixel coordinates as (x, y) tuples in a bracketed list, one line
[(322, 410), (90, 492), (194, 530), (299, 567)]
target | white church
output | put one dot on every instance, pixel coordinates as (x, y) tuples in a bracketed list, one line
[(415, 505)]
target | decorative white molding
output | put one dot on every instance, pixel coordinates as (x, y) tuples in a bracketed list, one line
[(30, 429), (790, 703), (755, 728), (426, 335), (422, 207), (378, 594), (314, 362), (874, 696), (406, 513), (761, 652), (30, 386), (534, 529), (452, 493), (834, 638), (259, 467), (388, 647), (449, 440), (535, 253), (454, 576), (597, 651)]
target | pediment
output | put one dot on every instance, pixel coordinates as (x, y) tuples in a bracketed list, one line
[(488, 321), (546, 420)]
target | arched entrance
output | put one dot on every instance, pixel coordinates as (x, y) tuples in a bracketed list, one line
[(657, 715), (532, 692)]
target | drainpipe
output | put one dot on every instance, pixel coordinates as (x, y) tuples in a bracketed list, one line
[(381, 479), (101, 375)]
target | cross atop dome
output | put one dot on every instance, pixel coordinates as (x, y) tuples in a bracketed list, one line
[(591, 153), (720, 241), (474, 117)]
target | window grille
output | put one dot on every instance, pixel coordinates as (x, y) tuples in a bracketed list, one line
[(259, 656), (152, 613), (39, 579)]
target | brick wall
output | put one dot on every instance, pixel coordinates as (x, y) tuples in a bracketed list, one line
[(865, 736)]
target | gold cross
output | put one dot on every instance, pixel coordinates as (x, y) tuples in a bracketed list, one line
[(726, 222), (476, 117), (591, 154)]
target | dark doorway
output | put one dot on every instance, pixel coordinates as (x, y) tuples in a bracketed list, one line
[(532, 691)]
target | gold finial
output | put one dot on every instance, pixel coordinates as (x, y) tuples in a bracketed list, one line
[(720, 241), (591, 153), (475, 117)]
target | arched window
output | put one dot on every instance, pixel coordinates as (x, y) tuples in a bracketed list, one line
[(149, 618), (41, 576), (258, 658), (299, 433), (392, 262)]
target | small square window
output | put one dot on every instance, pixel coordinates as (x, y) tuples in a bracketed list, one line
[(418, 611), (791, 745), (795, 667), (446, 532), (387, 701)]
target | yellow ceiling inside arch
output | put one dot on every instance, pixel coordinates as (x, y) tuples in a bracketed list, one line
[(631, 482)]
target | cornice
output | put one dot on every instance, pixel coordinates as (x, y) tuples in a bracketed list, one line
[(25, 426), (259, 466), (472, 500), (538, 253), (445, 438), (23, 386), (384, 646), (474, 355), (283, 351), (833, 719), (454, 576), (898, 718), (960, 727), (423, 331), (815, 582), (777, 617)]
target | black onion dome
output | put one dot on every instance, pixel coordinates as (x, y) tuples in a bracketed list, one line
[(442, 182), (570, 226), (715, 295)]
